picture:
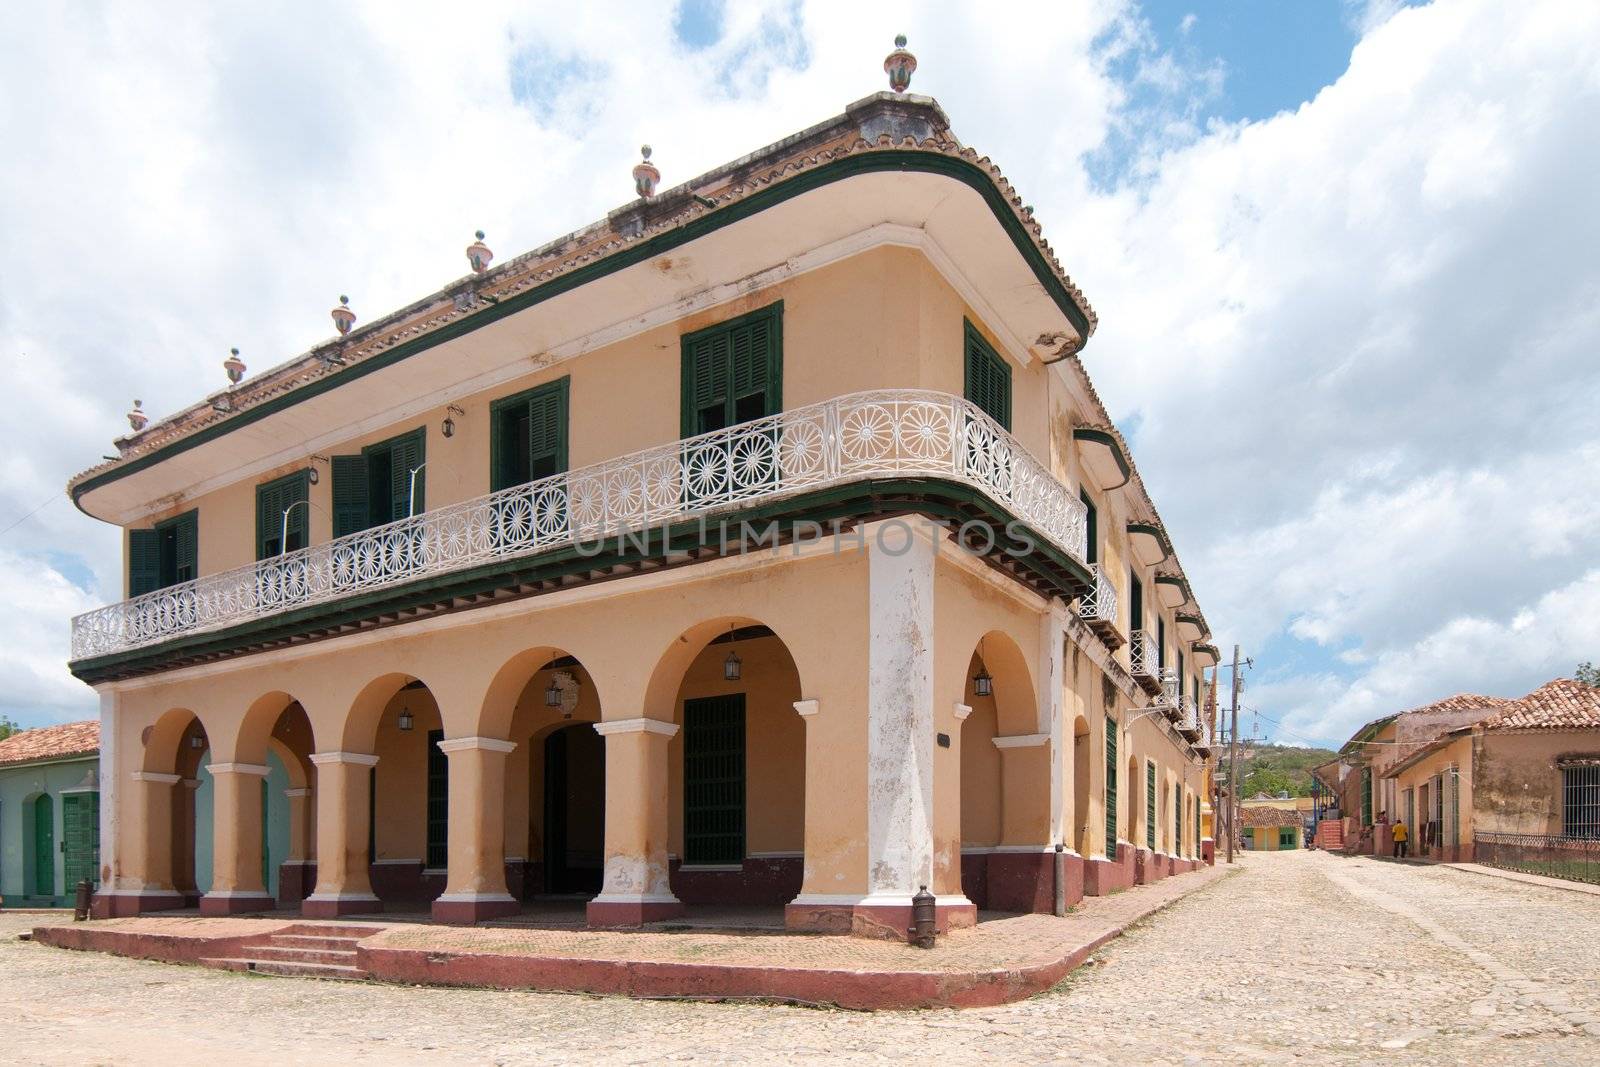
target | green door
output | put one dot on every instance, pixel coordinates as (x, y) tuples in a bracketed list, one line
[(80, 835), (44, 848)]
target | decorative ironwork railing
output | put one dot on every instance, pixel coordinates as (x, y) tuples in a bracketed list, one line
[(1142, 658), (1100, 603), (856, 437), (1576, 859)]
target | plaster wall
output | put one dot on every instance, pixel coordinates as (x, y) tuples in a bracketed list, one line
[(19, 787), (1517, 782)]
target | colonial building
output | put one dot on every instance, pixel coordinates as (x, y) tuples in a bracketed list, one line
[(49, 817), (763, 542)]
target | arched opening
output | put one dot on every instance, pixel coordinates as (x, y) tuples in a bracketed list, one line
[(176, 845), (572, 823), (406, 839), (277, 844), (736, 766), (1004, 781), (1082, 765), (1133, 781)]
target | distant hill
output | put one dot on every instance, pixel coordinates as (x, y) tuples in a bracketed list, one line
[(1273, 769)]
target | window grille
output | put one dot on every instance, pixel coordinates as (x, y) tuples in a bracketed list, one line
[(1580, 801), (713, 780), (438, 803), (1150, 806), (1111, 788)]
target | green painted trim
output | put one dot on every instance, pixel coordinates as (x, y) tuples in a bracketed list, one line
[(1151, 530), (562, 387), (850, 166), (859, 500), (976, 348), (301, 478), (686, 412), (1106, 440)]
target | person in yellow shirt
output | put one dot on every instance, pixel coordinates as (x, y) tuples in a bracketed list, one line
[(1402, 838)]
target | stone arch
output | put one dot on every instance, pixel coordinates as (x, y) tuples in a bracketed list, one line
[(1083, 764), (261, 719), (165, 739)]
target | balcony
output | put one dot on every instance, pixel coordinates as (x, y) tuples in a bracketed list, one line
[(1098, 608), (1189, 721), (1143, 662), (881, 443)]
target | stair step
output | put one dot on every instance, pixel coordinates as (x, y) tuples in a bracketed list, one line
[(344, 957), (310, 941), (284, 969), (351, 930)]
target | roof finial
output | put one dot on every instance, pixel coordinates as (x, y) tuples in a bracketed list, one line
[(478, 255), (137, 418), (234, 366), (899, 65), (645, 175), (343, 317)]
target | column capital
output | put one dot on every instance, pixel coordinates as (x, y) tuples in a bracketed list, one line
[(360, 758), (488, 744), (807, 708), (302, 792), (961, 711), (1022, 741), (260, 770), (156, 777), (636, 726)]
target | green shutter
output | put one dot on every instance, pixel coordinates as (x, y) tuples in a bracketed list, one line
[(713, 780), (1091, 525), (1366, 796), (187, 527), (1111, 788), (729, 362), (546, 408), (1150, 806), (44, 847), (988, 377), (438, 803), (271, 500), (350, 512), (144, 562), (406, 453), (1177, 821), (80, 833)]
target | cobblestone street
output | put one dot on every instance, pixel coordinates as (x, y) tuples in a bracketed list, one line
[(1300, 957)]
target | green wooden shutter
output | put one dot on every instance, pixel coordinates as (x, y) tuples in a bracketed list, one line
[(187, 529), (1177, 820), (713, 780), (1366, 796), (406, 454), (706, 380), (271, 500), (1150, 806), (1091, 519), (80, 833), (438, 803), (547, 430), (144, 562), (1135, 601), (733, 361), (44, 847), (1111, 788), (350, 511), (988, 377)]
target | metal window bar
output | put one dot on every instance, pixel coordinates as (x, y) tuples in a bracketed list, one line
[(1100, 603), (1111, 788), (1580, 801), (1142, 658), (856, 437)]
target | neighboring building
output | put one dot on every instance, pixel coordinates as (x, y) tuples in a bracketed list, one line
[(1520, 783), (1360, 780), (49, 813), (1269, 829), (463, 593)]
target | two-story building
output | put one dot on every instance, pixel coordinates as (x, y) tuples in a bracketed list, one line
[(763, 542)]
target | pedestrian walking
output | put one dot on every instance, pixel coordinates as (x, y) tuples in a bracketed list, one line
[(1402, 838)]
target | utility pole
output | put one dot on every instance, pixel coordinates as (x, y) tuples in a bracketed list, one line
[(1233, 759)]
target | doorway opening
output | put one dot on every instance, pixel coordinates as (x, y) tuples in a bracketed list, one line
[(574, 809)]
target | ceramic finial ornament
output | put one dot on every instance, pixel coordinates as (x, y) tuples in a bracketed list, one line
[(343, 317), (900, 65), (234, 366), (478, 255), (137, 418), (645, 176)]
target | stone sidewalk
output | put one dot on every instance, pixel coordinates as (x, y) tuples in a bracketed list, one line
[(998, 961)]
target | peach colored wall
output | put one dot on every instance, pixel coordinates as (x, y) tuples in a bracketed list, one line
[(980, 775)]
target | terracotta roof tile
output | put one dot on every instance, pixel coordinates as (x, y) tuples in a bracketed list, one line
[(51, 742), (1562, 704), (1270, 817)]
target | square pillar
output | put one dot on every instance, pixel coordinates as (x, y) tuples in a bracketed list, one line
[(475, 885), (184, 810), (344, 793), (144, 880), (636, 887), (236, 885)]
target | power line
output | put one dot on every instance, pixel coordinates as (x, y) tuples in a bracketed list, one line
[(44, 504)]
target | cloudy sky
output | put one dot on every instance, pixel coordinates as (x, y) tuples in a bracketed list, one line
[(1343, 256)]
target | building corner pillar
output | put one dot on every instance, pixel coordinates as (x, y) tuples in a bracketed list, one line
[(636, 887), (344, 799), (236, 883)]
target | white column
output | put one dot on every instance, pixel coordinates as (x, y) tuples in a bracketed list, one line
[(110, 795), (900, 742), (1052, 681)]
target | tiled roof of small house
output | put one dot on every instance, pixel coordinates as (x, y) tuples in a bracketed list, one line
[(1270, 817), (51, 742), (1562, 704)]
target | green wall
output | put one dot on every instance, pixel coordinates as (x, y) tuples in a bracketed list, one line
[(19, 787)]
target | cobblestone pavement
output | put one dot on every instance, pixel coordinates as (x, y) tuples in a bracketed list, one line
[(1300, 958)]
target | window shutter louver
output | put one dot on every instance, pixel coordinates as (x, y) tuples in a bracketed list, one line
[(350, 509), (547, 430), (406, 454), (1111, 788), (1150, 806), (187, 528), (988, 377), (271, 501), (732, 362), (144, 562)]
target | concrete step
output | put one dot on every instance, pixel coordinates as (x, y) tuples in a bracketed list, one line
[(284, 969), (309, 941), (343, 957), (355, 931)]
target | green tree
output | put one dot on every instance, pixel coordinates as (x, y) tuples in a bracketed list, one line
[(1589, 674), (7, 727)]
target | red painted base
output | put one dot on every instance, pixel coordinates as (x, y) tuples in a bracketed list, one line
[(296, 879), (250, 905), (889, 922), (467, 912), (1103, 876), (333, 909), (1208, 851), (631, 912), (760, 880), (108, 906)]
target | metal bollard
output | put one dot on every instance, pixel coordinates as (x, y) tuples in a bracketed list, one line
[(80, 903), (923, 920)]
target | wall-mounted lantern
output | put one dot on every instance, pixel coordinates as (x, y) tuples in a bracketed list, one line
[(405, 720), (448, 426)]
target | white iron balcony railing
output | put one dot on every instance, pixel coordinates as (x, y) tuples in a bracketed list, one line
[(1142, 659), (858, 437), (1100, 603)]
